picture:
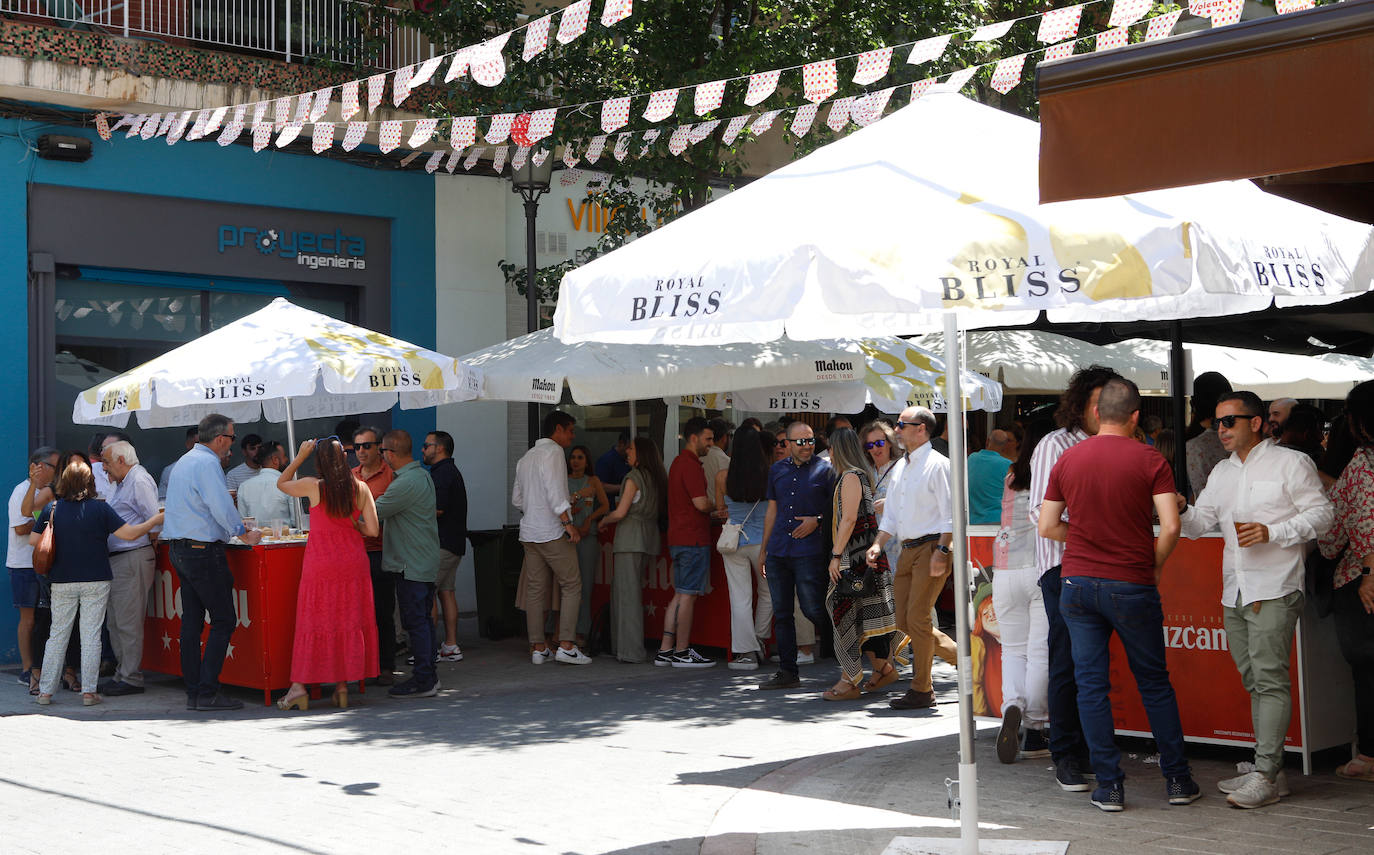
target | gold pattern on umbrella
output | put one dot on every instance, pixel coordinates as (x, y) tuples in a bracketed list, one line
[(348, 355), (1001, 238)]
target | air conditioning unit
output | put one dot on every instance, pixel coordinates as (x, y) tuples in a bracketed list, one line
[(57, 147)]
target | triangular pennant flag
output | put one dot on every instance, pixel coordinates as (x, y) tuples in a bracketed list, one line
[(569, 156), (1059, 51), (677, 143), (281, 113), (400, 84), (461, 60), (1059, 24), (488, 66), (622, 146), (536, 38), (262, 134), (702, 130), (1127, 12), (873, 66), (303, 102), (732, 129), (519, 129), (1113, 38), (573, 22), (424, 129), (921, 87), (539, 156), (570, 177), (349, 96), (615, 11), (1201, 8), (708, 97), (498, 159), (1162, 26), (838, 116), (321, 136), (517, 161), (453, 160), (353, 135), (614, 114), (217, 119), (988, 32), (499, 129), (1283, 7), (869, 108), (102, 126), (661, 105), (289, 133), (376, 88), (433, 162), (650, 137), (320, 104), (928, 50), (761, 85), (259, 113), (168, 118), (150, 127), (389, 136), (1227, 12), (124, 120), (594, 148), (197, 128), (541, 124), (234, 127), (957, 81), (136, 126), (1007, 74), (179, 127), (801, 122), (473, 157), (425, 72), (763, 123), (409, 159), (819, 81), (463, 133)]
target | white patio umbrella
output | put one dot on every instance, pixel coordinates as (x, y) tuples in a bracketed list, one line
[(1269, 375), (1031, 361)]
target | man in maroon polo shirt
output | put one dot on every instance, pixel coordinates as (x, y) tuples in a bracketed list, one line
[(689, 543)]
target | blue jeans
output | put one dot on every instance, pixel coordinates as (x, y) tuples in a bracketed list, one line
[(206, 586), (1066, 734), (416, 600), (1093, 609), (807, 575)]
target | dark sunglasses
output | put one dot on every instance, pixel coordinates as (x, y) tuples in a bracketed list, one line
[(365, 445), (386, 450), (1229, 422), (901, 425), (231, 437), (877, 443), (806, 440)]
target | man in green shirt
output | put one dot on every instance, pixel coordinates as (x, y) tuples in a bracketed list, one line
[(410, 547)]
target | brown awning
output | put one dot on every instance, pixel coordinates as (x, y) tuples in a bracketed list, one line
[(1283, 94)]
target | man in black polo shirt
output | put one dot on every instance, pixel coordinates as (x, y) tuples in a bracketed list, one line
[(451, 506)]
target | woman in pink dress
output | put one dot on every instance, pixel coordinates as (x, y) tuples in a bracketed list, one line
[(336, 630)]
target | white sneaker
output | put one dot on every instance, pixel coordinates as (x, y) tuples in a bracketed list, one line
[(1231, 785), (450, 653), (745, 662), (539, 657), (806, 658), (1256, 791), (572, 656)]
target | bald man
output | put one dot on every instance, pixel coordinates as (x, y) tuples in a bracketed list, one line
[(987, 475), (1278, 416)]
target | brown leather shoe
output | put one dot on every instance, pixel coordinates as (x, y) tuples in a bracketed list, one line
[(913, 700)]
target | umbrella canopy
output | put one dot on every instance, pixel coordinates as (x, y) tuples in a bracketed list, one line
[(1269, 375), (249, 370), (936, 207), (1030, 361)]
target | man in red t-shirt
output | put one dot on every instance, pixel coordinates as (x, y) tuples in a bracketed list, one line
[(1112, 485), (689, 543)]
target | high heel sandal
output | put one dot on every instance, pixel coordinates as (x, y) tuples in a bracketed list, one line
[(886, 677), (853, 693), (34, 677), (300, 702), (341, 697), (70, 681)]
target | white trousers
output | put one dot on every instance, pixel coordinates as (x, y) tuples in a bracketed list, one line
[(749, 620), (1020, 611), (66, 597)]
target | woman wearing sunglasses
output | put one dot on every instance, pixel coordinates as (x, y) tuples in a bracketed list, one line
[(880, 447)]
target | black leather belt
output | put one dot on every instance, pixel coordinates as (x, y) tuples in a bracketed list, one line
[(920, 541), (135, 549)]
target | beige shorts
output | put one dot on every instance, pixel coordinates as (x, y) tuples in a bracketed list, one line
[(448, 570)]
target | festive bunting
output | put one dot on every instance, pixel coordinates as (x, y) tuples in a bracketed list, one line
[(433, 162), (1162, 26), (321, 136), (235, 127), (677, 143), (838, 116), (461, 60), (801, 122), (763, 123), (958, 80), (349, 97), (289, 133), (424, 129), (1007, 74), (921, 87), (988, 32), (622, 146), (661, 105), (570, 177), (536, 38), (702, 130), (733, 128), (569, 156), (573, 22), (400, 84), (499, 129), (320, 103), (376, 88), (819, 81), (425, 72), (179, 127), (1283, 7), (389, 136), (541, 124), (614, 114), (197, 128), (150, 127), (462, 131), (488, 64), (1059, 51), (1227, 12), (1127, 12), (761, 85), (1059, 24), (1202, 8), (353, 135), (539, 156), (650, 137), (498, 159), (594, 148), (281, 113), (102, 126), (873, 66), (518, 129), (928, 50), (472, 158), (1113, 38), (869, 108), (615, 11), (218, 114), (707, 97), (168, 118), (259, 112), (453, 160), (517, 162), (262, 133), (124, 120)]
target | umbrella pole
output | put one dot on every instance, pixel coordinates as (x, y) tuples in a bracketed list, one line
[(634, 426), (1178, 383), (968, 764), (291, 444)]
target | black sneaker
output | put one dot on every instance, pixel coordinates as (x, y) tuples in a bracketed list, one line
[(781, 680), (1009, 736), (218, 703), (1034, 745), (689, 658), (1070, 777), (119, 687), (1183, 790), (412, 689), (191, 702), (1112, 797), (664, 658)]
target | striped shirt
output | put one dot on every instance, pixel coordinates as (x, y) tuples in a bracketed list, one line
[(1048, 553)]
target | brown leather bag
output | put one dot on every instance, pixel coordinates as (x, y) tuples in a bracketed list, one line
[(45, 551)]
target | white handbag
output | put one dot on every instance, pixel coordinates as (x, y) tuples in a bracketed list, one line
[(728, 541)]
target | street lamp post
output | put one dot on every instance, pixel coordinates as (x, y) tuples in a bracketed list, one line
[(531, 181)]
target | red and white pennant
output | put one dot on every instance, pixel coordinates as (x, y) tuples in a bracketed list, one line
[(1059, 24), (873, 66), (819, 81)]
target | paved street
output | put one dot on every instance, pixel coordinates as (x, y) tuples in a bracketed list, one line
[(607, 758)]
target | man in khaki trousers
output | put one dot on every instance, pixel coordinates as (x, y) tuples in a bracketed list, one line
[(131, 563)]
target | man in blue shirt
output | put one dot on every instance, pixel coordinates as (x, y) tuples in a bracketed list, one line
[(987, 475), (613, 466), (199, 522), (795, 547)]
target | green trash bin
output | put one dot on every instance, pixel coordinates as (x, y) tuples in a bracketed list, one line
[(497, 556)]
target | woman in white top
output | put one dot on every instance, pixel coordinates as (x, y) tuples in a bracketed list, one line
[(880, 446)]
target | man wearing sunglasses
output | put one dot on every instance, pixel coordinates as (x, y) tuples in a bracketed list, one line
[(1268, 502), (376, 473)]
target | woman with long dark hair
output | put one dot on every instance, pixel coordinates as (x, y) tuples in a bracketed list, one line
[(636, 544), (740, 501), (589, 504), (336, 628)]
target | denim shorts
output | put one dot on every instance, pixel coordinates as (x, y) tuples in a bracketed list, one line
[(24, 587), (691, 566)]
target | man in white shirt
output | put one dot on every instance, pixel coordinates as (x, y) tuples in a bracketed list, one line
[(131, 565), (24, 584), (1269, 504), (918, 514), (549, 539), (258, 497)]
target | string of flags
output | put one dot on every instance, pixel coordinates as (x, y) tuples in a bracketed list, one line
[(1058, 28)]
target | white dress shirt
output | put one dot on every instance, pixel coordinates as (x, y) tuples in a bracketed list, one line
[(104, 487), (259, 497), (918, 500), (541, 492), (1048, 553), (1275, 486)]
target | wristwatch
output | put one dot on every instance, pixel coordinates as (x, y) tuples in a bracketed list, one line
[(835, 555), (942, 548)]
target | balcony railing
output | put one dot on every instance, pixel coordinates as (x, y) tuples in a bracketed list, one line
[(344, 31)]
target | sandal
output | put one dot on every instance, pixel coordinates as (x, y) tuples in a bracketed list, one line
[(33, 682), (883, 678), (853, 693), (71, 681), (1357, 770)]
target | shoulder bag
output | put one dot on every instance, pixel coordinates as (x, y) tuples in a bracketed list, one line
[(45, 551), (728, 542), (858, 579)]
